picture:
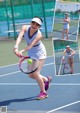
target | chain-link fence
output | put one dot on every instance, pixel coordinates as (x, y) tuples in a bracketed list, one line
[(15, 13)]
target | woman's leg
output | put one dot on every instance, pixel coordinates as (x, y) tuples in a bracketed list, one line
[(67, 33), (63, 34), (38, 77), (70, 61), (41, 62)]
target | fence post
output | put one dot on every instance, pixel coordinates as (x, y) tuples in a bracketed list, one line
[(7, 16), (13, 21), (32, 8), (44, 19)]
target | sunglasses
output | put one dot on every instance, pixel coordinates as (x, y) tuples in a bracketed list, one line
[(34, 23)]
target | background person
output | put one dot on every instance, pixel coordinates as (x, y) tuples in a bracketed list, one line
[(66, 26), (69, 55)]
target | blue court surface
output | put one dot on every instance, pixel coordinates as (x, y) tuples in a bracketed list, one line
[(18, 92)]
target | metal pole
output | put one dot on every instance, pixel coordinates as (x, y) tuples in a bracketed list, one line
[(32, 8), (7, 16), (44, 19), (13, 21)]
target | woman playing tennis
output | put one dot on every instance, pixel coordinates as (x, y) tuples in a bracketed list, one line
[(35, 48), (66, 21), (69, 55)]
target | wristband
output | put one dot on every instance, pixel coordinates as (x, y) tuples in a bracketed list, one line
[(15, 47)]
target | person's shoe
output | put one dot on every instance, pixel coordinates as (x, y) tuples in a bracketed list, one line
[(47, 84), (42, 95)]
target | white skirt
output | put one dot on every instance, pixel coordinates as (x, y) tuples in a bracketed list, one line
[(38, 52), (66, 26)]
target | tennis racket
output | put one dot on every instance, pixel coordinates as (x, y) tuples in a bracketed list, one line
[(66, 70), (27, 66)]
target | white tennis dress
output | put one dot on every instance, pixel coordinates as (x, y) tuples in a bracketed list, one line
[(38, 51), (66, 24)]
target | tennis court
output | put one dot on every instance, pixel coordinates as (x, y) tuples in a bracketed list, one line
[(18, 92)]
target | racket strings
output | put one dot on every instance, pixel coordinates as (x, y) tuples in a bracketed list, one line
[(27, 67)]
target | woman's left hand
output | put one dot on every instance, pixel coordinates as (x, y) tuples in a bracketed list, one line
[(21, 52)]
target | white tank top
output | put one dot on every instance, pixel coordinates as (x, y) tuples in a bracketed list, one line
[(38, 51)]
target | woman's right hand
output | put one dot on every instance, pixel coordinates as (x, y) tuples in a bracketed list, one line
[(16, 52)]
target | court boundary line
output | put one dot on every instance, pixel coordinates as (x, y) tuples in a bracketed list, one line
[(67, 105), (70, 34), (18, 63), (35, 84), (20, 71), (75, 74)]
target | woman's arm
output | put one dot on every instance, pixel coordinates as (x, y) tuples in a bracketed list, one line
[(20, 36), (67, 19), (73, 52)]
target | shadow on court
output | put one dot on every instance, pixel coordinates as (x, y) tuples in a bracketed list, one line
[(7, 102)]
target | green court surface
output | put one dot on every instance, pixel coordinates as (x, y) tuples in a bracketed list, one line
[(7, 56)]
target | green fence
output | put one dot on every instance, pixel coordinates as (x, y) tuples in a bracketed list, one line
[(16, 11), (73, 15), (25, 11)]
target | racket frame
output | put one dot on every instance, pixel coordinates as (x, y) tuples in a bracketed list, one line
[(20, 63), (65, 67)]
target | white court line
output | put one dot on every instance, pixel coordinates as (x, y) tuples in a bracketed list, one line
[(75, 74), (9, 73), (20, 71), (71, 33), (17, 63), (60, 67), (35, 84), (51, 111)]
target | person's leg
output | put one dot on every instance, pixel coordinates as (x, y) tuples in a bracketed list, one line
[(41, 80), (63, 34), (38, 77), (71, 64), (41, 62), (67, 34)]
